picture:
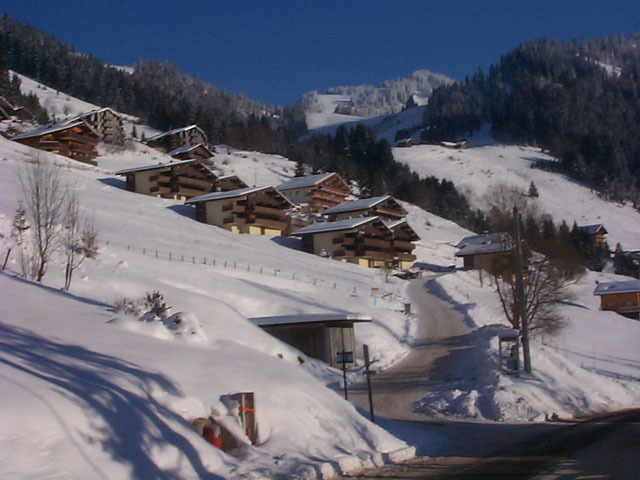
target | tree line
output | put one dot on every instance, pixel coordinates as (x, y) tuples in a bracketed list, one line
[(580, 101)]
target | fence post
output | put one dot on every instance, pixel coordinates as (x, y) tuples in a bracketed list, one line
[(214, 262), (156, 253), (144, 251), (261, 269), (170, 256), (234, 265), (182, 258), (193, 260)]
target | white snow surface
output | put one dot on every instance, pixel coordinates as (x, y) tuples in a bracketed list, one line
[(88, 391), (475, 170)]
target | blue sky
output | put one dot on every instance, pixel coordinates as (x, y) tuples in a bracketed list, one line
[(275, 50)]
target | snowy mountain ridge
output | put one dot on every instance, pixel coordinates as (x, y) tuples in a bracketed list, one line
[(367, 101)]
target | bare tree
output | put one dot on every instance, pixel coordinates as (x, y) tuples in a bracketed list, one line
[(45, 207), (80, 239), (545, 287)]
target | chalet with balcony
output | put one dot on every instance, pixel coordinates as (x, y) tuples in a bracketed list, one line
[(107, 124), (74, 139), (597, 232), (320, 191), (480, 252), (364, 240), (178, 180), (229, 182), (403, 246), (255, 210), (191, 152), (620, 297), (384, 207), (178, 137), (329, 337)]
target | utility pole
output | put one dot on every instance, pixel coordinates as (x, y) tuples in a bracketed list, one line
[(524, 326)]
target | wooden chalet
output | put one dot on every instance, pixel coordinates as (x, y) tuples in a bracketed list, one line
[(255, 210), (178, 180), (178, 137), (189, 152), (385, 207), (480, 252), (318, 191), (620, 297), (597, 232), (73, 139), (329, 337), (403, 246), (107, 124), (364, 240), (229, 182)]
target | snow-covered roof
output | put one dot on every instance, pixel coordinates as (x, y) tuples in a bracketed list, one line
[(211, 197), (187, 149), (173, 132), (84, 115), (303, 182), (394, 223), (483, 239), (322, 227), (52, 128), (592, 229), (156, 166), (309, 318), (481, 244), (356, 205), (628, 286)]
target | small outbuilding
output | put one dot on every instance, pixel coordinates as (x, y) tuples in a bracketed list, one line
[(329, 337), (385, 207), (620, 297), (319, 191), (597, 232), (254, 210), (481, 251)]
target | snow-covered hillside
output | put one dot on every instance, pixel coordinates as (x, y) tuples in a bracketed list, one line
[(476, 170), (96, 392), (347, 104)]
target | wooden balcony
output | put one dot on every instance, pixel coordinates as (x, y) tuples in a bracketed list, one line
[(269, 211), (334, 190), (189, 192), (403, 245), (377, 255), (385, 212), (195, 182), (268, 223), (376, 242), (76, 137), (226, 207), (234, 219), (405, 256)]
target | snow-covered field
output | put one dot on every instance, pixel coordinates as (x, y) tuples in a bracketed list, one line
[(477, 169), (88, 391)]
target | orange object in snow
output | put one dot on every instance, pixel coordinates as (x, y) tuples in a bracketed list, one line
[(212, 433)]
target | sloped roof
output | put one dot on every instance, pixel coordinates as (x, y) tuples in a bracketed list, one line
[(628, 286), (593, 229), (84, 115), (52, 128), (174, 131), (187, 149), (215, 196), (309, 318), (304, 182), (483, 239), (391, 224), (482, 244), (356, 205), (338, 225), (156, 166)]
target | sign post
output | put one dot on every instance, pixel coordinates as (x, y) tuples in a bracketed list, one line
[(365, 349)]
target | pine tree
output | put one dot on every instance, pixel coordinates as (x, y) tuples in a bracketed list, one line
[(533, 190)]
